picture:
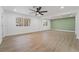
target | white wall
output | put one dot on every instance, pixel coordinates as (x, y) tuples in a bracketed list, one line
[(4, 24), (10, 27), (77, 25), (0, 25)]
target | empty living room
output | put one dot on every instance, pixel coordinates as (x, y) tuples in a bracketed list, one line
[(39, 28)]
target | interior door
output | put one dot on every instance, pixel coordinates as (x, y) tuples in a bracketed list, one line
[(44, 24)]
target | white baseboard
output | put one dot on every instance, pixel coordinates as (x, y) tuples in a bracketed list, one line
[(63, 30), (23, 33)]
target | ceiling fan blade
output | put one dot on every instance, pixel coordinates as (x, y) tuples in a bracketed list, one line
[(39, 8), (32, 10), (34, 6), (42, 14), (43, 11)]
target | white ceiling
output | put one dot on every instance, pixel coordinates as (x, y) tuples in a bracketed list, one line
[(52, 10)]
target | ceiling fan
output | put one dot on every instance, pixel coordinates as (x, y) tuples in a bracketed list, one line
[(38, 11)]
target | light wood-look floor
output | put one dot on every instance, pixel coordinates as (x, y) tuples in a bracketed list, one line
[(47, 41)]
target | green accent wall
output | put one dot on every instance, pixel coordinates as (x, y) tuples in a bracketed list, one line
[(64, 24)]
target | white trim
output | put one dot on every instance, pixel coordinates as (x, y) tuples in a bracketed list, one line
[(25, 32), (63, 30), (77, 37), (0, 40)]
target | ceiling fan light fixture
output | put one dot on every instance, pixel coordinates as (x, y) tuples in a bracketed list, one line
[(38, 11)]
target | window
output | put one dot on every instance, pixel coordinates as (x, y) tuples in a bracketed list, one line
[(20, 21)]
